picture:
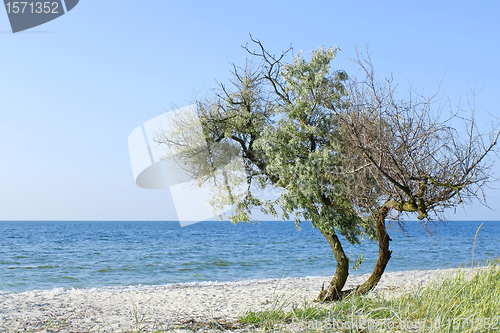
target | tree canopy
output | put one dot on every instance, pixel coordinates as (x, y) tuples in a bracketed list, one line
[(344, 152)]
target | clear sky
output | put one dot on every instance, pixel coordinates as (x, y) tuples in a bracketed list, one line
[(72, 90)]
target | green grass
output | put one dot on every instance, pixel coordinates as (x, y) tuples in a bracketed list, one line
[(456, 304)]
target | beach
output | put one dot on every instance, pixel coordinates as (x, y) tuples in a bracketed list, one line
[(122, 309)]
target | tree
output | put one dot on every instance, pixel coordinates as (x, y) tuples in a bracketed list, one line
[(301, 152), (273, 102), (345, 153)]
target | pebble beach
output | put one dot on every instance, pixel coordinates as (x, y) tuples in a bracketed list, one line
[(123, 309)]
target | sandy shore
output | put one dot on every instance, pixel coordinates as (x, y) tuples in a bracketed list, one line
[(122, 309)]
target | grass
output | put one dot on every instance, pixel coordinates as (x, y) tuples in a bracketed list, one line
[(457, 304)]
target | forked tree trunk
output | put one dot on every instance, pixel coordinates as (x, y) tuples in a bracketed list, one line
[(383, 254), (334, 290)]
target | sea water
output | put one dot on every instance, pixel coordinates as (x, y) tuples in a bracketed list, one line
[(41, 255)]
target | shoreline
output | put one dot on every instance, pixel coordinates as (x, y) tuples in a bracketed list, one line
[(202, 283), (115, 309)]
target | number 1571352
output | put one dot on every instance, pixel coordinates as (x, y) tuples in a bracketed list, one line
[(21, 7)]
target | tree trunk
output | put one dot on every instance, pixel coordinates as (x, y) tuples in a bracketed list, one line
[(334, 290), (383, 254)]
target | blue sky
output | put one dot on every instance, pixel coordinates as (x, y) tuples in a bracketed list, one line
[(72, 90)]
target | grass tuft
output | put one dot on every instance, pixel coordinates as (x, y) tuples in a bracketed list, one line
[(461, 303)]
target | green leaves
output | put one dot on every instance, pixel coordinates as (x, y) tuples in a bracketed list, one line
[(301, 148), (279, 117)]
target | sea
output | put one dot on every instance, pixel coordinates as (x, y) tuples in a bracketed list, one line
[(62, 255)]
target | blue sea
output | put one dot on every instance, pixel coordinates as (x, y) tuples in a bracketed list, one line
[(40, 255)]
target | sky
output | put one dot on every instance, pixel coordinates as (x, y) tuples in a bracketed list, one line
[(73, 89)]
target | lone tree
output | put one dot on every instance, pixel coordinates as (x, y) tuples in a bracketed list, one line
[(345, 153)]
